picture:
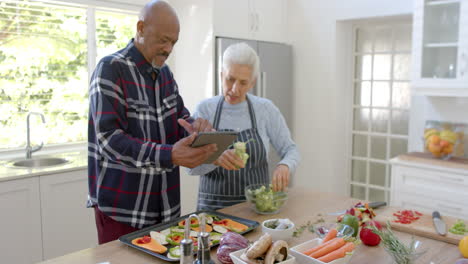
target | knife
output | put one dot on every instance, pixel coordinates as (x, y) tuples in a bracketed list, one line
[(439, 224), (372, 205)]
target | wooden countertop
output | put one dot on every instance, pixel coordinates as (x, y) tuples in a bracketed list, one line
[(302, 206), (427, 158)]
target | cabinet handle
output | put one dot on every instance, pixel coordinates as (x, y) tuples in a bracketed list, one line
[(451, 179), (264, 84), (463, 63), (251, 21), (257, 21), (457, 209)]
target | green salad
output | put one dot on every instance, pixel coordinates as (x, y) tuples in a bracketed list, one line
[(265, 199)]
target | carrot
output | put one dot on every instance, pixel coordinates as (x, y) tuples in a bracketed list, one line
[(339, 253), (329, 248), (312, 250), (330, 235)]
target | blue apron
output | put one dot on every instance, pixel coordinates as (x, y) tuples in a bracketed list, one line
[(221, 188)]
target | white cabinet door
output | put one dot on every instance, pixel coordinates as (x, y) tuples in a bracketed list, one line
[(269, 20), (440, 48), (67, 224), (233, 19), (20, 227), (250, 19), (428, 189)]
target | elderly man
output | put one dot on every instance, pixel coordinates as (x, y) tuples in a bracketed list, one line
[(137, 124)]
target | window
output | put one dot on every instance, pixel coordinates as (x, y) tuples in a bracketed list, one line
[(381, 104), (44, 66)]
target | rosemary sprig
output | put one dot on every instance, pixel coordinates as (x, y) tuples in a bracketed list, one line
[(401, 253)]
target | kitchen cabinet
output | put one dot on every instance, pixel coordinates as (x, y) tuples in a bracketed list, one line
[(46, 215), (20, 227), (423, 183), (67, 225), (250, 19), (440, 48)]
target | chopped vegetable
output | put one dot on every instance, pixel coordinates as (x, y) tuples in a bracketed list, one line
[(406, 216), (279, 224), (266, 200), (361, 210), (459, 228)]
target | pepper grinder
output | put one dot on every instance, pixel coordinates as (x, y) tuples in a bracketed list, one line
[(203, 255), (186, 245)]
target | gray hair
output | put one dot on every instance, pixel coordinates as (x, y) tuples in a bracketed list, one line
[(241, 53)]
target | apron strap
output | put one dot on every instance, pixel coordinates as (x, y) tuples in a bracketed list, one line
[(253, 119), (219, 109), (217, 116)]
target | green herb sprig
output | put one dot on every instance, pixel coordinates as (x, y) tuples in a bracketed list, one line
[(309, 226), (401, 253)]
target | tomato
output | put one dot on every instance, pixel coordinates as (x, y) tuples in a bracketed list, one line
[(368, 237), (144, 240), (463, 246)]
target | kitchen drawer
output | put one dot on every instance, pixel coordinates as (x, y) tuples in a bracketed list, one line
[(428, 204), (414, 179)]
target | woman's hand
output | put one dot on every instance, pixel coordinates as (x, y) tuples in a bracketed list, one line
[(229, 160), (280, 178)]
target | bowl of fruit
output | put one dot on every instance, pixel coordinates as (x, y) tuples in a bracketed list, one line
[(440, 143), (264, 200)]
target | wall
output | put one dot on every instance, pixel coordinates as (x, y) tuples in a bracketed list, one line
[(192, 56), (321, 101)]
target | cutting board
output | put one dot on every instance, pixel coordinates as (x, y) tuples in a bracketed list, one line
[(421, 227)]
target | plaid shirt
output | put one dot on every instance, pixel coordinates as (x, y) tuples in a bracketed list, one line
[(132, 126)]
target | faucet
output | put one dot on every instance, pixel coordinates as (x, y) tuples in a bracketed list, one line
[(29, 149)]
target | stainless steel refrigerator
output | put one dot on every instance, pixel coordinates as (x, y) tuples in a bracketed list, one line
[(275, 78)]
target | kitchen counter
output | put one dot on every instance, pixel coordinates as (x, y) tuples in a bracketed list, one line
[(303, 205), (78, 160), (426, 159)]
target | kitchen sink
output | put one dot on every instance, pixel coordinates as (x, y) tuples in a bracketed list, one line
[(38, 162)]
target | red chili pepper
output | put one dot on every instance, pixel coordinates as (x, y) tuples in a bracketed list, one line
[(406, 216)]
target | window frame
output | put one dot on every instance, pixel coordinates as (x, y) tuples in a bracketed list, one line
[(351, 106), (90, 6)]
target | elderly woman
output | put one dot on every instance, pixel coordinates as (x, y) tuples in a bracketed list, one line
[(259, 122)]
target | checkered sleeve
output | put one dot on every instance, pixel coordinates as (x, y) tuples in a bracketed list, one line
[(108, 109)]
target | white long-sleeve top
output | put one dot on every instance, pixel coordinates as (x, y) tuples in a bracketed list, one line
[(270, 123)]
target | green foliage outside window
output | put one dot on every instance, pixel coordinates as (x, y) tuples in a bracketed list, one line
[(43, 68)]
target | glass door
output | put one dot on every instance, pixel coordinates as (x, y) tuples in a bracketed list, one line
[(440, 39)]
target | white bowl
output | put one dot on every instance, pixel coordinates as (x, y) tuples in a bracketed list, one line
[(278, 234), (236, 257), (296, 251)]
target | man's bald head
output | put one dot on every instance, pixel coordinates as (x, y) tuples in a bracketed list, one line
[(157, 31), (157, 9)]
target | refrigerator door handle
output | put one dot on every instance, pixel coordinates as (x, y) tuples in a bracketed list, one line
[(263, 77)]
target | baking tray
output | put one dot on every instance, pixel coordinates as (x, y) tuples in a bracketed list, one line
[(127, 239)]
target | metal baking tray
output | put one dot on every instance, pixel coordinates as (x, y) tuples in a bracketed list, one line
[(127, 239)]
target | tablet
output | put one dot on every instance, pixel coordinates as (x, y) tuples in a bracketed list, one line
[(223, 139)]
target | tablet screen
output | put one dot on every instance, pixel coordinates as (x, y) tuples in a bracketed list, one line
[(223, 139)]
